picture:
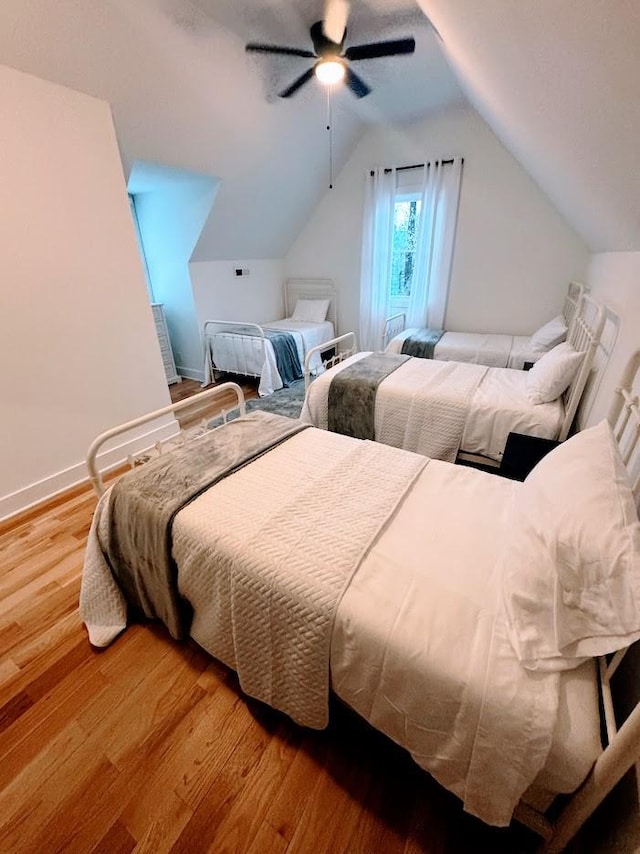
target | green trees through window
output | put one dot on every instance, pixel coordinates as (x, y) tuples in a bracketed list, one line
[(406, 216)]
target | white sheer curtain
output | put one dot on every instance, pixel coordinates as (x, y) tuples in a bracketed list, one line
[(377, 245), (434, 244)]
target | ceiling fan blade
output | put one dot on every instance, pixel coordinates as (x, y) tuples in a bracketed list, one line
[(334, 23), (291, 90), (256, 47), (356, 84), (378, 49)]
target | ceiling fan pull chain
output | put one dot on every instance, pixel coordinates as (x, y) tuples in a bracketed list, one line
[(329, 128)]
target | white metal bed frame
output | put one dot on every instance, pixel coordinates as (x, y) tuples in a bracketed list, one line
[(584, 336), (294, 289), (198, 401), (396, 324), (623, 744), (339, 351)]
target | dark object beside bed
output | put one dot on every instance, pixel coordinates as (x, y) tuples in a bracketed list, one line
[(522, 453)]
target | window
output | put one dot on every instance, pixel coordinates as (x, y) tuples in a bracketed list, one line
[(406, 216)]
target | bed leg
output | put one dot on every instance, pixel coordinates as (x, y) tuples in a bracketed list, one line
[(533, 819)]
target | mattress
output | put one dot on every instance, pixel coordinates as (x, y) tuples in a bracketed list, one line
[(498, 406), (413, 629), (492, 349), (306, 334)]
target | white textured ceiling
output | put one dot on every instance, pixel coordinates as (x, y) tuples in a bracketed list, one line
[(184, 93), (559, 83)]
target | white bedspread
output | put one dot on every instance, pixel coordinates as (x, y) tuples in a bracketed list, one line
[(422, 406), (417, 649), (500, 406), (491, 349), (415, 405)]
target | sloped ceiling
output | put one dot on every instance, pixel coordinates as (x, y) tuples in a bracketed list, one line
[(185, 94), (559, 83)]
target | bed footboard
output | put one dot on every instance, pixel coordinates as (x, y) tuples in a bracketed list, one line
[(393, 326), (196, 401), (337, 355)]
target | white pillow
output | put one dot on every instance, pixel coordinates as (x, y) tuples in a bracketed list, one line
[(311, 310), (553, 373), (571, 565), (552, 333)]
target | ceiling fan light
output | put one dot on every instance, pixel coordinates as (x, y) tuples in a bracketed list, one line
[(330, 71)]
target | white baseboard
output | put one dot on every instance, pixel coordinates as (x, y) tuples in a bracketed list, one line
[(191, 374), (47, 488)]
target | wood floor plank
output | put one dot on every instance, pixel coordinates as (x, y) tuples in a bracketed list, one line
[(198, 745), (33, 662), (35, 774), (18, 746), (164, 829), (117, 840), (256, 787), (303, 774), (67, 821)]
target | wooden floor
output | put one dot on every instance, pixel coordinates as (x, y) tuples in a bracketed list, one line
[(150, 745)]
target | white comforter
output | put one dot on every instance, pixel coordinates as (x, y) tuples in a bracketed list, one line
[(491, 349), (418, 646), (251, 355), (491, 403)]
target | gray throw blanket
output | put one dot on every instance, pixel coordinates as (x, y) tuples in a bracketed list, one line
[(422, 343), (144, 503), (352, 394), (287, 356)]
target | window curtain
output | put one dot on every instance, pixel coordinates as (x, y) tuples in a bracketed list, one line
[(377, 245), (434, 244)]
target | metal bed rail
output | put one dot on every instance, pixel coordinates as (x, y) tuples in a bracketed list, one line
[(197, 400), (339, 354)]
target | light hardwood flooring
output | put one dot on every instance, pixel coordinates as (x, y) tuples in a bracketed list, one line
[(150, 745)]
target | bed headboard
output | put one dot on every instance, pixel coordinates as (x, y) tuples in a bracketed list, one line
[(623, 740), (393, 326), (295, 289), (584, 335), (572, 302)]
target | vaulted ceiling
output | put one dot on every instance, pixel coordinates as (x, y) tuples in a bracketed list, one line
[(559, 83), (557, 80), (184, 93)]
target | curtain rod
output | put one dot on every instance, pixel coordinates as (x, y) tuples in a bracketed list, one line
[(415, 166)]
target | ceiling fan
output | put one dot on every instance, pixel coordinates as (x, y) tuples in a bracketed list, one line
[(328, 38)]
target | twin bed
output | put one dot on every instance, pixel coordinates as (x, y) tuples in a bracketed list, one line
[(275, 351), (434, 614), (452, 410), (494, 350)]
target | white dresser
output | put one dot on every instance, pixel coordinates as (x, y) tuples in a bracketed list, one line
[(165, 343)]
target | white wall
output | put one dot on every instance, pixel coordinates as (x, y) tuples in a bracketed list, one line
[(614, 279), (514, 253), (172, 208), (220, 295), (77, 343)]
